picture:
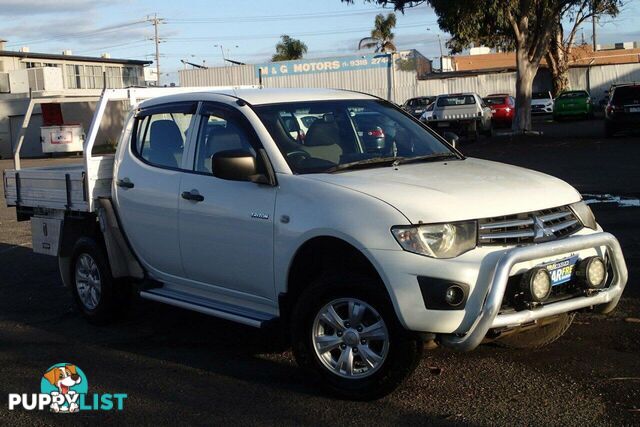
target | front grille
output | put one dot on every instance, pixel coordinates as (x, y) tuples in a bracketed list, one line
[(529, 227)]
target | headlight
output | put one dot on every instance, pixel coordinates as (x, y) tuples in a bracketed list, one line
[(437, 240), (584, 214)]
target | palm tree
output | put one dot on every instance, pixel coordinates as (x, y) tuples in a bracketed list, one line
[(289, 48), (381, 35)]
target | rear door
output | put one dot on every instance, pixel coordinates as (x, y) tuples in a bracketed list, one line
[(226, 231), (147, 185)]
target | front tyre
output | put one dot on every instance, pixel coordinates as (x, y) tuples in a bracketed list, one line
[(346, 335), (94, 289)]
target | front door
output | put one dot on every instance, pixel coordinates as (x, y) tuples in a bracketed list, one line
[(148, 183), (226, 227)]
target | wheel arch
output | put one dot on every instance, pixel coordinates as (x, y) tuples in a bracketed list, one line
[(322, 255)]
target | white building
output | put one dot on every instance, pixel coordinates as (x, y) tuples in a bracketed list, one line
[(24, 74)]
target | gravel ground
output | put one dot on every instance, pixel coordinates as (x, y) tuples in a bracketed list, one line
[(182, 367)]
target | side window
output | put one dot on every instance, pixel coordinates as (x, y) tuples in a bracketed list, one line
[(161, 137), (222, 131)]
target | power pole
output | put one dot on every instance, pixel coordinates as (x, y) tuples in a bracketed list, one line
[(155, 21), (441, 55), (594, 20)]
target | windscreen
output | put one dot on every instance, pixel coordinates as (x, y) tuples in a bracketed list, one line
[(421, 102), (540, 95), (340, 132), (495, 101), (573, 94), (626, 95)]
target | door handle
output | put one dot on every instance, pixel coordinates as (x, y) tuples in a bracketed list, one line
[(124, 183), (193, 196)]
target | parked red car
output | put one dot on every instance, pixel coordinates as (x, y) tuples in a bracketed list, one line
[(503, 108)]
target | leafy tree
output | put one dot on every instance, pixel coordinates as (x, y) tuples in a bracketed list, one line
[(381, 35), (559, 56), (529, 26), (289, 48)]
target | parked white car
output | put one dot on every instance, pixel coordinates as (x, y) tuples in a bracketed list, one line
[(359, 248), (466, 114), (542, 103)]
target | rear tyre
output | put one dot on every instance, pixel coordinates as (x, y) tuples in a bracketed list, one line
[(346, 336), (538, 337), (98, 296), (609, 129)]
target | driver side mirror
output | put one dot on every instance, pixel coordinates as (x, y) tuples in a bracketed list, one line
[(237, 165), (451, 138)]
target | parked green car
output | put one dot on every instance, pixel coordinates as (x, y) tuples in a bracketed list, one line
[(573, 103)]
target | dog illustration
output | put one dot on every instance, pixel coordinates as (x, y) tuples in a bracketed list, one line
[(63, 378)]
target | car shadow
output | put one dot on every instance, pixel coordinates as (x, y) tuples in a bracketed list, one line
[(157, 353)]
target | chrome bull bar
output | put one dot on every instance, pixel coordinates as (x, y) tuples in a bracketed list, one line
[(488, 317)]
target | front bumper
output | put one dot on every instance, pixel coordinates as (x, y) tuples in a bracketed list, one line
[(571, 112), (489, 318), (541, 109)]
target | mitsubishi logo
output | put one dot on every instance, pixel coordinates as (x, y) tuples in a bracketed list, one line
[(541, 233)]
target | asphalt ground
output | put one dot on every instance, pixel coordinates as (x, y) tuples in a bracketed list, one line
[(182, 367)]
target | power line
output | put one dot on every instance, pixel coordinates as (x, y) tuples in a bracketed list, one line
[(235, 19), (263, 36), (82, 34), (117, 46)]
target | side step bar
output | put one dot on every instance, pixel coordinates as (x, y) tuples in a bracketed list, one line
[(211, 308)]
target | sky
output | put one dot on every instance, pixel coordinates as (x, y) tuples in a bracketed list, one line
[(199, 31)]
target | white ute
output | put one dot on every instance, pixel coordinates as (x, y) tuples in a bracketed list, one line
[(362, 237)]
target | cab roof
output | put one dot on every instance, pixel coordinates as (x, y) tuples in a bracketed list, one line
[(257, 96)]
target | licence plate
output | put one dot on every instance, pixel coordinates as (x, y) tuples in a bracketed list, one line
[(443, 124), (634, 110), (562, 271)]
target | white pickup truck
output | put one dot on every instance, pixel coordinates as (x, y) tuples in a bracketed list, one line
[(362, 238), (466, 114)]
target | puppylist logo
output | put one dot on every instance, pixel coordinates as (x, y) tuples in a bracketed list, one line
[(64, 389)]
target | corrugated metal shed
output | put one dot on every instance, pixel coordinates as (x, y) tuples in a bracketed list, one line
[(397, 84)]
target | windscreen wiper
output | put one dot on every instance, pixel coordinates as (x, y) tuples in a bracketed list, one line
[(436, 157), (362, 164)]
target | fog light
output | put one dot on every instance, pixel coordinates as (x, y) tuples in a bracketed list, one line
[(592, 271), (537, 283), (454, 295)]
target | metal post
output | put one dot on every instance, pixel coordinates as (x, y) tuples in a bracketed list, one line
[(91, 138), (21, 134), (224, 60), (393, 76)]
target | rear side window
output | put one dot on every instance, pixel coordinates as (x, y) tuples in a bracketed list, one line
[(626, 95), (160, 136), (454, 100)]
